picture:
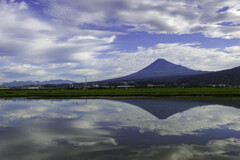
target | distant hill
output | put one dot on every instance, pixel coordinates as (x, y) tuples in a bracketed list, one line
[(28, 83), (159, 69), (229, 76)]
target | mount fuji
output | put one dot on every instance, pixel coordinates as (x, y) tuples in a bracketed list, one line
[(159, 69)]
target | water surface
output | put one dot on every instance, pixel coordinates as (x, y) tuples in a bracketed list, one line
[(119, 129)]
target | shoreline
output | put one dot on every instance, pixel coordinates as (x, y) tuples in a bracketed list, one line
[(135, 93)]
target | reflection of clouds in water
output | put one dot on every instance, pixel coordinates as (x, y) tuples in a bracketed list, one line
[(50, 138), (41, 124), (88, 115), (200, 118), (227, 149), (22, 109), (61, 148), (71, 128), (85, 141), (83, 124), (188, 122)]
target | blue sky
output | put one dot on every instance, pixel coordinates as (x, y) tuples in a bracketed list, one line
[(101, 39)]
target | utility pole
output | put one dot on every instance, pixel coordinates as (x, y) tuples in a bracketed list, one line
[(86, 86), (85, 83)]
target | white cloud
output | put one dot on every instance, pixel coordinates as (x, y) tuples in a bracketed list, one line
[(233, 49), (176, 17), (23, 5), (31, 46), (87, 72)]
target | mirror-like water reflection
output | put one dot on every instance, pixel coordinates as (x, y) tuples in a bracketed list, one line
[(119, 129)]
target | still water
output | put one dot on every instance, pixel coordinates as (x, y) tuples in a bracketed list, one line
[(119, 129)]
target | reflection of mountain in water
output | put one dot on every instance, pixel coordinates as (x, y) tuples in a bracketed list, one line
[(163, 109)]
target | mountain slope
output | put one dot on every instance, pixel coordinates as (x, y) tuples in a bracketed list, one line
[(229, 76), (161, 68)]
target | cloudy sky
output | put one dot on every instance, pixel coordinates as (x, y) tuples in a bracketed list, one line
[(100, 39)]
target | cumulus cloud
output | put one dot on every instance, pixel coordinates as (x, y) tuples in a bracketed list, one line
[(233, 49)]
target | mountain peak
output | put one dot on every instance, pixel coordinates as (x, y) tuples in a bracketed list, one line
[(162, 68), (161, 60), (161, 65)]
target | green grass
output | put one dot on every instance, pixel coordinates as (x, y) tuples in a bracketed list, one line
[(134, 92)]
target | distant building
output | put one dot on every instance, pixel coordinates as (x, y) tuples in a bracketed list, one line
[(155, 85), (211, 85), (125, 86), (105, 86), (150, 85), (33, 87), (222, 85), (95, 86), (71, 85)]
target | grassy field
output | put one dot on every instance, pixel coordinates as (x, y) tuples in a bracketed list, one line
[(136, 92)]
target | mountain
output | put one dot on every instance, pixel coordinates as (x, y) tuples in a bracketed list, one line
[(167, 72), (57, 81), (28, 83), (161, 68), (229, 76)]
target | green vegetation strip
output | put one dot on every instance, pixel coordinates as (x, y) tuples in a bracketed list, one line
[(137, 92)]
